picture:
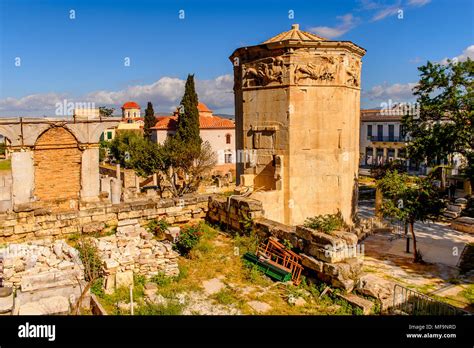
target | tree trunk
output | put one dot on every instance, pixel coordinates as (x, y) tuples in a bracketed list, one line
[(443, 178), (378, 204), (415, 250)]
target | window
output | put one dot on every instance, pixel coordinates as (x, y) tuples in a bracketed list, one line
[(380, 132), (227, 138), (402, 153), (369, 155), (379, 159), (134, 114), (228, 158), (128, 113), (369, 131), (109, 135), (391, 154), (391, 132)]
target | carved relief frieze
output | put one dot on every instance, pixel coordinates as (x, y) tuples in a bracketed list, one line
[(353, 72), (321, 69), (264, 72)]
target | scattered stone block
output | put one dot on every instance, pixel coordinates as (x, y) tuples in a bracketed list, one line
[(358, 302), (212, 286), (259, 307)]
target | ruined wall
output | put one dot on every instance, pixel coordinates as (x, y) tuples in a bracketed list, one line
[(57, 161), (94, 216), (333, 257)]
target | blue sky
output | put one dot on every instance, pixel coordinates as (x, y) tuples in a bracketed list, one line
[(82, 59)]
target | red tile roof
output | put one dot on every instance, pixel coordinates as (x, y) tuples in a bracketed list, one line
[(130, 105), (205, 122)]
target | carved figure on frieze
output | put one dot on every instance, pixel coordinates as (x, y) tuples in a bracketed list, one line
[(264, 72), (324, 71), (353, 73)]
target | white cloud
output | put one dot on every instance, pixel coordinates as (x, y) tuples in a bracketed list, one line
[(347, 22), (467, 53), (400, 92), (29, 104), (385, 12), (165, 94)]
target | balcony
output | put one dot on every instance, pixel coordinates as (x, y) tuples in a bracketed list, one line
[(386, 139)]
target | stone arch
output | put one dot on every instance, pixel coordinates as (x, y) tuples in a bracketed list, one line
[(57, 161)]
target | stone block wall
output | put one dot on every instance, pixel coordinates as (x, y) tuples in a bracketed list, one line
[(31, 223), (234, 212)]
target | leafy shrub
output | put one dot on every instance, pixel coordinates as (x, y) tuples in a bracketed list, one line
[(287, 244), (97, 287), (188, 238), (89, 255), (161, 279), (325, 223), (158, 227), (246, 243)]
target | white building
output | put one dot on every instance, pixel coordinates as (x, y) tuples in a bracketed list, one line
[(381, 137), (218, 131)]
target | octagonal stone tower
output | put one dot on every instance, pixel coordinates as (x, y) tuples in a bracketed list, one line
[(297, 106)]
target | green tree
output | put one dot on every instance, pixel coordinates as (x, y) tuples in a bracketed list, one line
[(445, 123), (134, 152), (409, 199), (378, 171), (105, 111), (150, 121), (188, 119)]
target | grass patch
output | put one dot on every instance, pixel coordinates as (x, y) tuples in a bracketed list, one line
[(5, 164), (226, 297), (171, 308), (468, 294)]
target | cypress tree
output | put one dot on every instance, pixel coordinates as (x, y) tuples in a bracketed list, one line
[(150, 121), (188, 120)]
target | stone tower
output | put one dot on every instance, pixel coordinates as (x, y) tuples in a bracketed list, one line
[(297, 107)]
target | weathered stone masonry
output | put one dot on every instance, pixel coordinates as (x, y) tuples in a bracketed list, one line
[(92, 217), (333, 257)]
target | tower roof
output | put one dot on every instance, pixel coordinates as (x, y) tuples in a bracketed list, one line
[(295, 34), (130, 105)]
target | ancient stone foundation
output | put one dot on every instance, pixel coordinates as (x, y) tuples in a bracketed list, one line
[(47, 277), (333, 257), (132, 250), (30, 223)]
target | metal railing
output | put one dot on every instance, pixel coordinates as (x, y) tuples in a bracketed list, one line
[(407, 301), (388, 138)]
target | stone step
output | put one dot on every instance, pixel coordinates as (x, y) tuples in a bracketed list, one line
[(450, 214), (358, 302), (457, 208)]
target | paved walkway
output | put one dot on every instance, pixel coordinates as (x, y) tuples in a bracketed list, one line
[(438, 242)]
